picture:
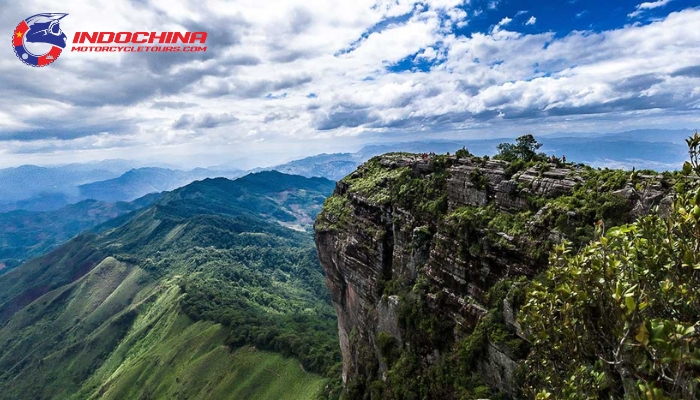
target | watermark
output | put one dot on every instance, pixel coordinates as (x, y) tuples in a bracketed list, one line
[(39, 40), (139, 49)]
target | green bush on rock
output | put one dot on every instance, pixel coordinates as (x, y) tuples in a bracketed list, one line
[(621, 318)]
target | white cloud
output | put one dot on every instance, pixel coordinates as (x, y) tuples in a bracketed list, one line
[(650, 5), (251, 92), (505, 21), (531, 21)]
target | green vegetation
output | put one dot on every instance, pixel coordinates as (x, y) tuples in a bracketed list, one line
[(337, 210), (620, 318), (371, 179), (463, 153), (524, 149), (478, 179), (168, 303), (422, 196), (28, 234), (425, 198), (575, 215), (455, 374), (167, 355)]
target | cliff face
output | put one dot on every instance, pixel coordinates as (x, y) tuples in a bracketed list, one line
[(418, 251)]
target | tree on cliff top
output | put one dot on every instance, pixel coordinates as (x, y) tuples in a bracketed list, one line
[(525, 149)]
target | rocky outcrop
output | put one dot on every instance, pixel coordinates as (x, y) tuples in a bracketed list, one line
[(391, 227)]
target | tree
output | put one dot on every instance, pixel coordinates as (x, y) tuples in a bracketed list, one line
[(621, 318), (463, 153), (525, 148)]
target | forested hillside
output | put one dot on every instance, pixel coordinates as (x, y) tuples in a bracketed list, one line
[(28, 234), (204, 294)]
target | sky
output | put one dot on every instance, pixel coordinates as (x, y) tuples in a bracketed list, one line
[(283, 79)]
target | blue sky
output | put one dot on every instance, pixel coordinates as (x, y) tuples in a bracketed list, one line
[(565, 16), (287, 78), (558, 17)]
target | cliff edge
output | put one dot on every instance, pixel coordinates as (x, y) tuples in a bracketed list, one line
[(425, 254)]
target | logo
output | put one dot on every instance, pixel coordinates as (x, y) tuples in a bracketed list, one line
[(39, 40)]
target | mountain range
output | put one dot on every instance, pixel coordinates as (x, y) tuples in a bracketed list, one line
[(35, 188), (642, 149), (215, 289), (50, 188), (27, 234), (203, 293)]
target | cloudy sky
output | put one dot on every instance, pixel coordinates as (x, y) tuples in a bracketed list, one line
[(285, 78)]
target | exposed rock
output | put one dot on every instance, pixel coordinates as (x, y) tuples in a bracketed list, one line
[(509, 197), (645, 200), (497, 369), (388, 317), (510, 319), (551, 183), (387, 242)]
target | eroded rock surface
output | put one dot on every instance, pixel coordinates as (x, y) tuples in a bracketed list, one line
[(400, 218)]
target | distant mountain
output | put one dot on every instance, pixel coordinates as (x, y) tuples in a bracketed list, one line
[(29, 181), (201, 295), (116, 166), (643, 149), (618, 152), (27, 234), (640, 135), (331, 166), (139, 182), (290, 200), (35, 188), (338, 165)]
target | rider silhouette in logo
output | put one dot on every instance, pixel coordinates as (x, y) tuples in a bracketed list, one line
[(41, 28)]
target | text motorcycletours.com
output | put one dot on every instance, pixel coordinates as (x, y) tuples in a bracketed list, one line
[(127, 39)]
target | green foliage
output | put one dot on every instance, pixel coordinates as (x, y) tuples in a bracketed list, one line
[(425, 197), (694, 152), (274, 300), (167, 355), (39, 276), (620, 318), (415, 316), (28, 234), (516, 166), (200, 272), (524, 149), (454, 373), (463, 153), (371, 180), (478, 179), (474, 225), (388, 347), (575, 215), (336, 210)]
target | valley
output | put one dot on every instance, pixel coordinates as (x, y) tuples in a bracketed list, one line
[(139, 307)]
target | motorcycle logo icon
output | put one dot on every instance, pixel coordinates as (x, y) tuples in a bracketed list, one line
[(36, 34)]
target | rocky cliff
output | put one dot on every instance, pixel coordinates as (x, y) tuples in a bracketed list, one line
[(425, 256)]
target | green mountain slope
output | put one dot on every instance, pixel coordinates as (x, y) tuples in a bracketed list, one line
[(28, 234), (167, 304)]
